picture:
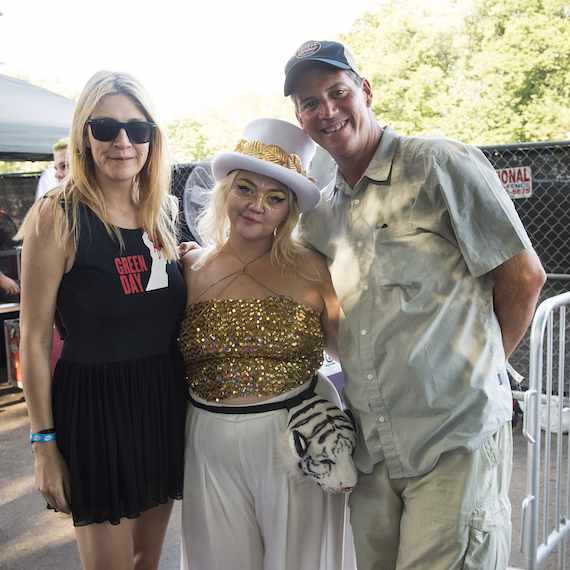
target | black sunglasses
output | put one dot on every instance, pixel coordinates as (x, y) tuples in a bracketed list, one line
[(107, 130)]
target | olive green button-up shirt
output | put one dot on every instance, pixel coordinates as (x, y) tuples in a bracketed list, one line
[(410, 249)]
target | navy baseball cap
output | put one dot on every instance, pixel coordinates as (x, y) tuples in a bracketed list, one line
[(333, 53)]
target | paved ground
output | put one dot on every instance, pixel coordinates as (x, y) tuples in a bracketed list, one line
[(33, 538)]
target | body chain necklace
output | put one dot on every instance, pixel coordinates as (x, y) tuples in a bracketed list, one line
[(271, 295)]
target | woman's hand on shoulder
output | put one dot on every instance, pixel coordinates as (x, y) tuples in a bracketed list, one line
[(189, 252), (187, 246), (185, 256)]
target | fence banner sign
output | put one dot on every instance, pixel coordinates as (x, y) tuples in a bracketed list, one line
[(516, 181)]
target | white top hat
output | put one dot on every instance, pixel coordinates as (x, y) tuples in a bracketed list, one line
[(277, 149)]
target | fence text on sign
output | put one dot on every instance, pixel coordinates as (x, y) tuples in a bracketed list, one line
[(516, 181)]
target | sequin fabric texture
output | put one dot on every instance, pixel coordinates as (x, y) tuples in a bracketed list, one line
[(262, 347)]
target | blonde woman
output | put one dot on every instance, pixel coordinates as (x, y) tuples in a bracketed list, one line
[(107, 430), (260, 309)]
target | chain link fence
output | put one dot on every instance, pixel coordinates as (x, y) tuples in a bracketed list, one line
[(546, 217), (17, 192), (180, 175), (545, 214)]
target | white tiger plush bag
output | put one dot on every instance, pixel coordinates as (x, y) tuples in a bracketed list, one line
[(319, 443)]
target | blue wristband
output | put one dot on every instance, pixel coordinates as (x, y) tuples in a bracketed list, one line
[(42, 436)]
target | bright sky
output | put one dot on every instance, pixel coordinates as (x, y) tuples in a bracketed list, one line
[(188, 54)]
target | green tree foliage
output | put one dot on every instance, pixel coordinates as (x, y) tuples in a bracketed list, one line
[(211, 130), (224, 123), (187, 140), (483, 71), (28, 166)]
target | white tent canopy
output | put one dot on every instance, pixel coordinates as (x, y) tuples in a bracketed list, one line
[(32, 120)]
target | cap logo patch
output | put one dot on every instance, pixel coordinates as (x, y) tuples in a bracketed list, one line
[(308, 49)]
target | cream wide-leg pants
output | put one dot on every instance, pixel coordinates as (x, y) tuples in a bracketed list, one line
[(241, 511)]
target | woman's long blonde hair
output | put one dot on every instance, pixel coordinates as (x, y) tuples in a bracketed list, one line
[(214, 224), (158, 209)]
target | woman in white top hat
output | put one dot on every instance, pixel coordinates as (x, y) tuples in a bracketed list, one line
[(260, 310)]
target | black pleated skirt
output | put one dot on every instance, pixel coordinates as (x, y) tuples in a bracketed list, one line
[(120, 427)]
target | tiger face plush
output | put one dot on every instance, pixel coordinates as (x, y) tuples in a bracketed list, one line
[(318, 443)]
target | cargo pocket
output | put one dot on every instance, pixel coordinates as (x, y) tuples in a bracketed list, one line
[(489, 536)]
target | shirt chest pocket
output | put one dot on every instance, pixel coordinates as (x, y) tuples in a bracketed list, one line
[(400, 256)]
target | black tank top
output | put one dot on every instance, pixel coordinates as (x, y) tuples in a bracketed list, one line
[(118, 303)]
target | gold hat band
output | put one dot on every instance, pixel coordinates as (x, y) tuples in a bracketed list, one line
[(272, 153)]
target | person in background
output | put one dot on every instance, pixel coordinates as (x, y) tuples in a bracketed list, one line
[(260, 308), (9, 286), (101, 248), (61, 158), (50, 177), (437, 282)]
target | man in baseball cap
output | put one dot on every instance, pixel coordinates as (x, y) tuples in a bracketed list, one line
[(332, 53), (438, 282)]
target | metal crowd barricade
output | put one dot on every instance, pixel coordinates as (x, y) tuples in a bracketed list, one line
[(552, 504)]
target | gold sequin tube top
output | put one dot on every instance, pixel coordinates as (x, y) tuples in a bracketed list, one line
[(261, 347)]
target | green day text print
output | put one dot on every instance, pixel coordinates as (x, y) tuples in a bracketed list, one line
[(131, 267)]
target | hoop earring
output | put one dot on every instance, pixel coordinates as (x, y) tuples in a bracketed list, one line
[(275, 232)]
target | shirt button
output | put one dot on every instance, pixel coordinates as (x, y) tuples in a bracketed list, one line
[(370, 377), (359, 244), (365, 287), (357, 202), (381, 419), (363, 332)]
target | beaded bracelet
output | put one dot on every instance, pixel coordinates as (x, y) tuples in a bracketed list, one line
[(43, 435)]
